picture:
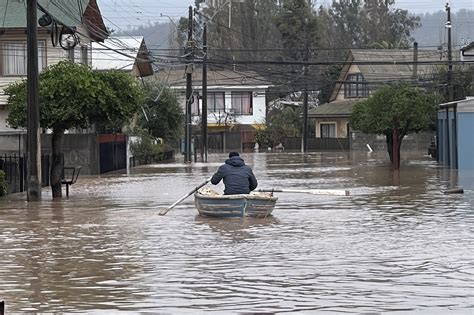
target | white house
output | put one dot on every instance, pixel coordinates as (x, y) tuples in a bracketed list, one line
[(79, 22), (236, 100)]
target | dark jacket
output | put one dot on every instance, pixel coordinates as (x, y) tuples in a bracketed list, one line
[(238, 177)]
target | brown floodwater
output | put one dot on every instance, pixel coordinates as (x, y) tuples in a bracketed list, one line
[(396, 245)]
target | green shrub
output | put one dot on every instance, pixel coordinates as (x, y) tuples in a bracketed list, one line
[(3, 184)]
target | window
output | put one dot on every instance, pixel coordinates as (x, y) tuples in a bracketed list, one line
[(14, 59), (356, 89), (84, 55), (215, 102), (242, 103), (328, 130), (195, 105)]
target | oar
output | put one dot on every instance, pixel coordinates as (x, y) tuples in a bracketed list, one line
[(334, 192), (165, 211)]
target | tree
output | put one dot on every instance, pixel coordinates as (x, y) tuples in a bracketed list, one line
[(163, 116), (282, 122), (394, 111), (73, 96)]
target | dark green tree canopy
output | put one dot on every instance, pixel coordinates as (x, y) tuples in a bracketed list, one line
[(163, 117), (395, 111), (73, 96), (400, 107)]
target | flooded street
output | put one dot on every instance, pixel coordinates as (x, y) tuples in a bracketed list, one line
[(395, 245)]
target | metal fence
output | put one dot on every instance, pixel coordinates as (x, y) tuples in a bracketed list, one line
[(150, 159), (15, 168)]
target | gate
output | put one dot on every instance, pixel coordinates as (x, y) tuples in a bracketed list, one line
[(112, 152)]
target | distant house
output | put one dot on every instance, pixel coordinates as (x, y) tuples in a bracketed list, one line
[(80, 17), (467, 52), (364, 71), (236, 101), (125, 53)]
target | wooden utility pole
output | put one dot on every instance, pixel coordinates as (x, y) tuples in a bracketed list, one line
[(204, 97), (33, 130), (304, 143), (450, 57), (189, 87)]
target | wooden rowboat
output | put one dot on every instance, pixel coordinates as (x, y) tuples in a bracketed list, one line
[(257, 205)]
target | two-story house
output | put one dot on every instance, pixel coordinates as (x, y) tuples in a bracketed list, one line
[(364, 71), (236, 103), (66, 30)]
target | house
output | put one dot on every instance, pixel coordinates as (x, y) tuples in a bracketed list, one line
[(70, 26), (75, 24), (364, 71), (455, 128), (236, 103), (467, 52), (125, 53)]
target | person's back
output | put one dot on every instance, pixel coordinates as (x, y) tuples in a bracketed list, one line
[(238, 178)]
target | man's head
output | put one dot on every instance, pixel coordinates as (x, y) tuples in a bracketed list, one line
[(233, 153)]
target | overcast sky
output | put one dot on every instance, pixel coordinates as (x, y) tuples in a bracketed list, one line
[(125, 14)]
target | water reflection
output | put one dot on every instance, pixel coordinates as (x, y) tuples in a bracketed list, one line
[(397, 244)]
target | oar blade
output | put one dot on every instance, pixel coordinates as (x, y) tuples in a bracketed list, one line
[(332, 192)]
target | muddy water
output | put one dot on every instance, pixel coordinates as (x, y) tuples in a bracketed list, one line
[(397, 244)]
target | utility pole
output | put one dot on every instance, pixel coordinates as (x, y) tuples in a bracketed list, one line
[(450, 57), (189, 87), (204, 96), (33, 130), (304, 144), (415, 61)]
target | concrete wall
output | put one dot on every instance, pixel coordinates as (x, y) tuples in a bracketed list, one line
[(79, 149)]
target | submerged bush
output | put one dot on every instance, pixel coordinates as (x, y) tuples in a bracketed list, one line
[(3, 184)]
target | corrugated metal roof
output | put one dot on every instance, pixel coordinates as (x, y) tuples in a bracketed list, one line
[(334, 109), (119, 52), (177, 78), (395, 72), (69, 12)]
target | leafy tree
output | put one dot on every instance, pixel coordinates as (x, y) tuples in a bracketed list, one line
[(163, 116), (282, 122), (298, 27), (361, 23), (73, 96), (394, 111), (462, 81)]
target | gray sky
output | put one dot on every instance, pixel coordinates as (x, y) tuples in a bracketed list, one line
[(125, 14)]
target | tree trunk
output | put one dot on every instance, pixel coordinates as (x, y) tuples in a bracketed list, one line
[(56, 164), (396, 144), (389, 141)]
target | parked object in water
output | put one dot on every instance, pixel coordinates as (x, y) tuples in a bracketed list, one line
[(257, 205)]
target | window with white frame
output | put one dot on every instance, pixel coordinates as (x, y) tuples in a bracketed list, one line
[(241, 103), (328, 130), (14, 58), (215, 102)]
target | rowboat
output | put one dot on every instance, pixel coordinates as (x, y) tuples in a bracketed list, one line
[(256, 205)]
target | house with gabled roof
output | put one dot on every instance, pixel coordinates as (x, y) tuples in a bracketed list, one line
[(124, 53), (364, 71), (70, 26), (236, 101)]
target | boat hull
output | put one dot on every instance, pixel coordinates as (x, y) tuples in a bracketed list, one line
[(235, 206)]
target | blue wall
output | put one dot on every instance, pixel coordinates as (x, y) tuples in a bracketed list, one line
[(446, 155), (466, 141)]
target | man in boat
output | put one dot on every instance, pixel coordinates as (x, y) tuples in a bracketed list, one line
[(237, 176)]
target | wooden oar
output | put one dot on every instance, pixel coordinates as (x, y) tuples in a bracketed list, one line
[(165, 211), (334, 192)]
